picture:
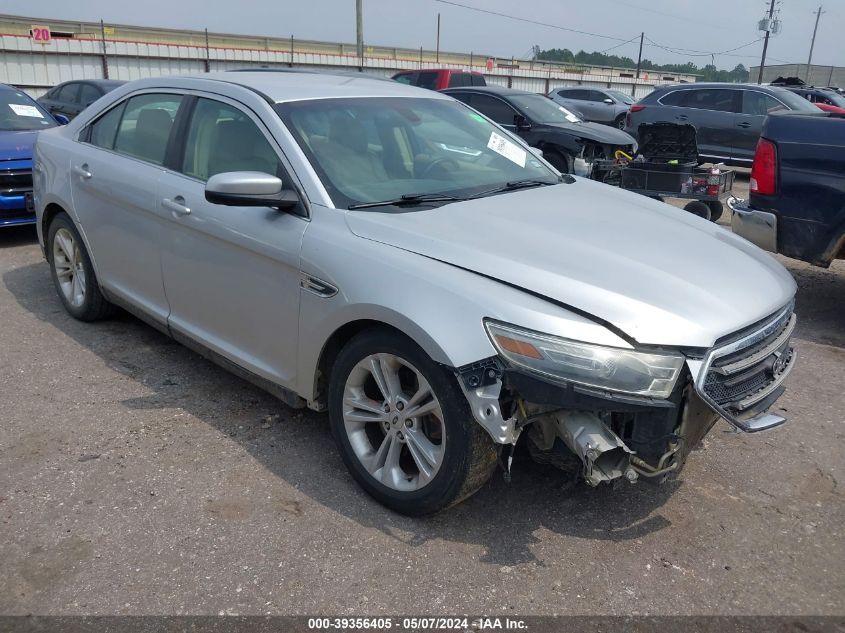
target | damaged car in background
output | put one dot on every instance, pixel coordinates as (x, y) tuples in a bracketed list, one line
[(389, 255), (569, 144)]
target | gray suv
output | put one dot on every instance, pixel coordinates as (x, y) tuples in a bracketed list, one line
[(595, 104), (389, 255), (728, 117)]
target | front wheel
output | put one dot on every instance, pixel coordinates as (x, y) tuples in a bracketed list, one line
[(620, 122), (403, 427), (560, 161)]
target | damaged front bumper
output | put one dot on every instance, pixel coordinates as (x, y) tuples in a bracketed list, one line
[(615, 436)]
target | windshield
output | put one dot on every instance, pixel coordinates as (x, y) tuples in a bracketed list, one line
[(621, 96), (543, 110), (19, 112), (794, 101), (837, 99), (375, 149)]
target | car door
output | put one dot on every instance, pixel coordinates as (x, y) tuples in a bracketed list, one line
[(231, 274), (602, 106), (756, 106), (114, 175), (713, 112)]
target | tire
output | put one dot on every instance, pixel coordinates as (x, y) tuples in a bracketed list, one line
[(619, 122), (382, 448), (696, 207), (716, 210), (72, 272), (560, 161)]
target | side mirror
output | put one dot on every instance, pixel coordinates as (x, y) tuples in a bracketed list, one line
[(249, 189), (61, 119), (522, 125), (608, 101)]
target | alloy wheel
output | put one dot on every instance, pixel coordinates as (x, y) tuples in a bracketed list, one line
[(394, 422), (70, 271)]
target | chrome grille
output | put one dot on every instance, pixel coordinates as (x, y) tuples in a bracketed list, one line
[(15, 181), (743, 377)]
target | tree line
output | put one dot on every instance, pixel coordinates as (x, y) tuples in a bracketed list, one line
[(707, 73)]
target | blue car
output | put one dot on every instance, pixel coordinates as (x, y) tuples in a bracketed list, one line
[(21, 118)]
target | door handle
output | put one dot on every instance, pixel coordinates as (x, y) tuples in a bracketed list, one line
[(682, 117), (82, 171), (743, 124), (176, 206)]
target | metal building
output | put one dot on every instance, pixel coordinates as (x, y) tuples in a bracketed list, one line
[(38, 53)]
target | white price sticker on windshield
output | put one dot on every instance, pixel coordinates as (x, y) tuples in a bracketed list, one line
[(504, 147), (25, 110)]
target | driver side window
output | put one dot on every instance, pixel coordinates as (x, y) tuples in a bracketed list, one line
[(222, 138)]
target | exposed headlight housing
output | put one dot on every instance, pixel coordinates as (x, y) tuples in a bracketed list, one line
[(606, 368)]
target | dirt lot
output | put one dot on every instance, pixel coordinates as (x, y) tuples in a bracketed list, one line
[(137, 478)]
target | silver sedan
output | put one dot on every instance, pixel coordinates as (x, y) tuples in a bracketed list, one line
[(390, 255)]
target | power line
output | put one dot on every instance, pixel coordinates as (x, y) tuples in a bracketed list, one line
[(537, 22), (691, 52), (633, 39)]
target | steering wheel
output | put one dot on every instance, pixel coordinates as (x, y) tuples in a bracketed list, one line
[(442, 162)]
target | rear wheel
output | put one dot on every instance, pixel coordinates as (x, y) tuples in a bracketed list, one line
[(696, 207), (403, 427), (72, 272)]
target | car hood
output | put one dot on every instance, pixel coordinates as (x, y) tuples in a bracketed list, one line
[(660, 275), (594, 132), (17, 145)]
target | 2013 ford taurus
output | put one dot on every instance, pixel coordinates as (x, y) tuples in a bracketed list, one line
[(388, 254)]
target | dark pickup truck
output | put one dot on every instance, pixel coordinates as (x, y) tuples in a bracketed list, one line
[(797, 202)]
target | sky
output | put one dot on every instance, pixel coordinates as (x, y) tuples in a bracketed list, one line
[(703, 26)]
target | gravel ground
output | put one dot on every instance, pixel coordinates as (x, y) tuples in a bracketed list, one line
[(137, 478)]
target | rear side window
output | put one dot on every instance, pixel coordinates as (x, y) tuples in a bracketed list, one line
[(104, 129), (673, 98), (428, 80), (459, 80), (68, 93), (478, 80), (407, 78), (88, 94), (716, 99), (759, 103), (221, 139), (145, 127)]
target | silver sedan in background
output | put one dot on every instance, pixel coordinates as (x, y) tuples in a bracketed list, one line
[(390, 255)]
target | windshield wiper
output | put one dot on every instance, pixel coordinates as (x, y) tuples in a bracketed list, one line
[(518, 184), (407, 199)]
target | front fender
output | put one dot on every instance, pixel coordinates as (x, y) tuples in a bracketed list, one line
[(439, 306)]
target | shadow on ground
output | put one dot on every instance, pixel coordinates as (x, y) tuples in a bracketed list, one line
[(17, 235), (502, 518)]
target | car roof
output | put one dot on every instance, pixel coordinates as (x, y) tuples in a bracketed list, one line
[(283, 85), (715, 84), (496, 90), (437, 70)]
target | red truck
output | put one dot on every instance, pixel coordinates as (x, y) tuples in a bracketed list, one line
[(440, 78)]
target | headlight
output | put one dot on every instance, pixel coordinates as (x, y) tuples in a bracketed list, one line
[(562, 360)]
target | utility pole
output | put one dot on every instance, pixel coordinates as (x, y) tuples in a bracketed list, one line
[(766, 43), (105, 55), (437, 53), (207, 54), (639, 64), (359, 24), (813, 44)]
